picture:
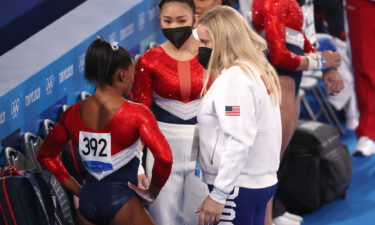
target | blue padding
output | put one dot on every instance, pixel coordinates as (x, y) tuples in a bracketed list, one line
[(326, 43), (58, 80)]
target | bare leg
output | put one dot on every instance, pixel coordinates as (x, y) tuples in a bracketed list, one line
[(80, 220), (289, 108), (268, 219), (132, 213)]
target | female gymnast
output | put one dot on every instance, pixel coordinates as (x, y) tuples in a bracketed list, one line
[(168, 79), (108, 129)]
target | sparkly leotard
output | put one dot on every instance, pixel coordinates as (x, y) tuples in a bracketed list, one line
[(110, 156), (281, 22), (171, 88)]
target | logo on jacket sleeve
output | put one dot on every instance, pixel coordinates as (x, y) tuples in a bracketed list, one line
[(232, 110)]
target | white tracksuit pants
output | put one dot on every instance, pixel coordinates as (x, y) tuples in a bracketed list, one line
[(184, 192)]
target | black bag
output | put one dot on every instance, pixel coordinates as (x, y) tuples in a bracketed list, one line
[(316, 169), (34, 197)]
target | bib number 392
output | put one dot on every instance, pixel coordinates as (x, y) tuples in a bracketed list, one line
[(95, 146), (95, 151)]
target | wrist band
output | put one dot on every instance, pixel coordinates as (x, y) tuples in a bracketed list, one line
[(316, 62), (324, 63)]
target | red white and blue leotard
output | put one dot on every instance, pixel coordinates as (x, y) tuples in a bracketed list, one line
[(278, 19), (171, 88), (281, 21), (110, 156)]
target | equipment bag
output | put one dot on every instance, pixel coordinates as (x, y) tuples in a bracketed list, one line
[(34, 197), (316, 168)]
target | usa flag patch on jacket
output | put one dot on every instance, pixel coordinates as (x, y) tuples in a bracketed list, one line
[(233, 110)]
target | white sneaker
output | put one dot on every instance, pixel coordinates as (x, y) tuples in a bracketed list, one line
[(364, 147), (283, 220), (293, 217)]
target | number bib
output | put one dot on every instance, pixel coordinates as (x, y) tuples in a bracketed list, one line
[(95, 151)]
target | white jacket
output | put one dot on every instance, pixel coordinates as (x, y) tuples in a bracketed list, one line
[(239, 146)]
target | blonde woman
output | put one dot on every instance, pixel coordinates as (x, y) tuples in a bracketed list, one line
[(239, 121)]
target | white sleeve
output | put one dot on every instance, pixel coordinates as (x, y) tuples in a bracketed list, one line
[(236, 106)]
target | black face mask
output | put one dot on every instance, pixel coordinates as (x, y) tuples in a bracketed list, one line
[(178, 35), (204, 55)]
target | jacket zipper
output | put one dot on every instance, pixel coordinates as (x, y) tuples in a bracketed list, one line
[(213, 153)]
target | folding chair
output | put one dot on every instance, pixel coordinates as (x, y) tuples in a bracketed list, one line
[(83, 95), (309, 83), (47, 127), (151, 45), (16, 158), (31, 144)]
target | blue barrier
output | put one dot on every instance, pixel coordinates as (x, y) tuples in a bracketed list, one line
[(30, 16), (41, 96)]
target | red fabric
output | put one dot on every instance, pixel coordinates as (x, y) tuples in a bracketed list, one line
[(361, 16), (8, 202), (159, 72), (2, 213), (272, 17), (131, 122)]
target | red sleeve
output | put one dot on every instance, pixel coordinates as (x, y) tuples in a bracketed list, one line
[(142, 86), (275, 35), (49, 154), (308, 47), (152, 137)]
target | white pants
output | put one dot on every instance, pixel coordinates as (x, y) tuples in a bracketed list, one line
[(184, 192)]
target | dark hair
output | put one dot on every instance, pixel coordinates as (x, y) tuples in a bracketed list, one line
[(228, 3), (190, 3), (102, 61)]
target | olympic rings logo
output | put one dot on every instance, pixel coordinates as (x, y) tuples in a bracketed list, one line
[(81, 63), (49, 84), (141, 21), (15, 108)]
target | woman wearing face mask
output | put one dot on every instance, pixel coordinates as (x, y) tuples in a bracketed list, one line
[(239, 121), (168, 79)]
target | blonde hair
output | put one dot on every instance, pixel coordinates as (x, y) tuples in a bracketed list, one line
[(235, 43)]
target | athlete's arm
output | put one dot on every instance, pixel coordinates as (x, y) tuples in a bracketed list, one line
[(49, 156), (152, 137), (142, 86), (276, 38)]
